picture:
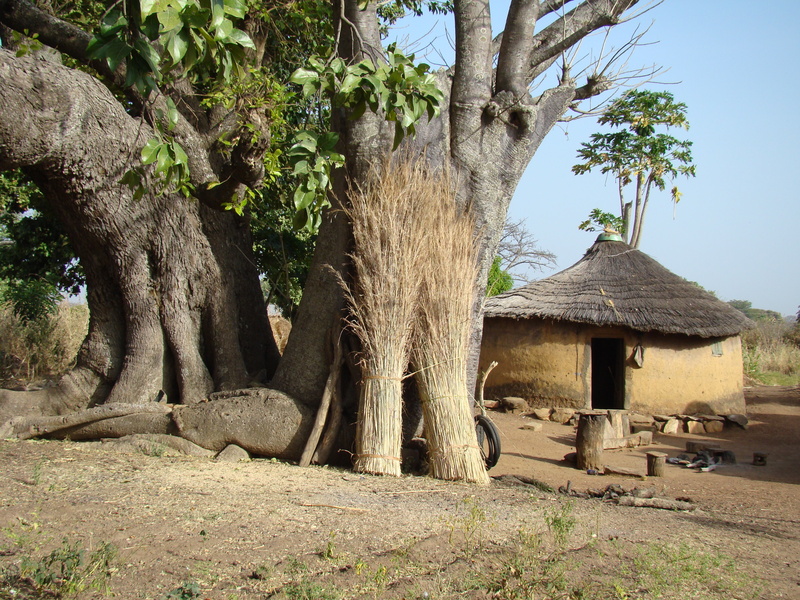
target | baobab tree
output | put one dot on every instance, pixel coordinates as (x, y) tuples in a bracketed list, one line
[(174, 297)]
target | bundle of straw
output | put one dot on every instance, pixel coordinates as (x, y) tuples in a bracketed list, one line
[(441, 345), (383, 302)]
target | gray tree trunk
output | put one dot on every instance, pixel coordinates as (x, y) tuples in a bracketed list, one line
[(174, 299), (489, 129)]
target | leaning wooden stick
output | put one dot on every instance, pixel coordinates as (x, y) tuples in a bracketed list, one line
[(331, 385)]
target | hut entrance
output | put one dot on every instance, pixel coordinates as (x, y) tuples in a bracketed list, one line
[(608, 373)]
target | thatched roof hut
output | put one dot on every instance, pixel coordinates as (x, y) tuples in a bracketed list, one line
[(604, 312)]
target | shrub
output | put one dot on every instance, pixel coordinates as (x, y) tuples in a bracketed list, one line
[(44, 347), (769, 351)]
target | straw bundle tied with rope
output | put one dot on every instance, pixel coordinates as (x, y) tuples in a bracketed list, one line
[(383, 300), (414, 262), (439, 354)]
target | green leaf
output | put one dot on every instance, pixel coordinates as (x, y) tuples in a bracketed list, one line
[(303, 199), (236, 8), (223, 31), (148, 54), (169, 19), (217, 13), (300, 220), (163, 159), (114, 51), (301, 167), (177, 44), (150, 151), (172, 114), (398, 135), (180, 154), (237, 36), (304, 76)]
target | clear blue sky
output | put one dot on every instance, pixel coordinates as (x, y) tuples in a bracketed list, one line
[(736, 64)]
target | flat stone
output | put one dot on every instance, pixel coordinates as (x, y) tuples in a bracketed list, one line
[(713, 418), (532, 426), (740, 420), (639, 427), (640, 419), (233, 453), (543, 414), (672, 426), (562, 415), (662, 418)]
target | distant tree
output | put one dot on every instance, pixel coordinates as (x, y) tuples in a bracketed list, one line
[(635, 154), (500, 280), (519, 252), (756, 314)]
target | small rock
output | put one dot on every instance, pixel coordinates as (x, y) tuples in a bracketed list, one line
[(513, 404), (714, 426), (233, 453), (695, 427), (543, 414), (672, 426), (740, 420), (532, 426), (562, 415)]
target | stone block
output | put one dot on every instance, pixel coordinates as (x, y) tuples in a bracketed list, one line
[(714, 426), (562, 415), (233, 453), (695, 427), (543, 414), (672, 426), (512, 404), (534, 426)]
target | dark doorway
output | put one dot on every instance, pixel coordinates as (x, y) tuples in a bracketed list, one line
[(608, 373)]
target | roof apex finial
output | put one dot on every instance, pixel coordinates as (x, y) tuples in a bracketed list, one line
[(609, 235)]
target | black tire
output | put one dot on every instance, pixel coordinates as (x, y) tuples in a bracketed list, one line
[(488, 440)]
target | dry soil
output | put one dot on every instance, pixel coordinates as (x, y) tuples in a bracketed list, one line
[(245, 530)]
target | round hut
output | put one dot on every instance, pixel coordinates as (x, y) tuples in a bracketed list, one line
[(615, 331)]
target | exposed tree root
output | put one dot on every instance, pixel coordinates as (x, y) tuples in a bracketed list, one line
[(29, 427), (262, 421)]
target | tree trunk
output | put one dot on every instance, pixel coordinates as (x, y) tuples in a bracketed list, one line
[(174, 299), (589, 440)]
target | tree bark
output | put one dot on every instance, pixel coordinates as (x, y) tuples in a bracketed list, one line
[(589, 441)]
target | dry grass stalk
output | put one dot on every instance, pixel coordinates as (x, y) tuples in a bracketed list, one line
[(383, 301), (442, 341)]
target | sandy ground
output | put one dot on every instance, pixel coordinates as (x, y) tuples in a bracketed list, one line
[(240, 530)]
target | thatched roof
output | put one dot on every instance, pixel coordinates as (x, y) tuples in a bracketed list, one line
[(614, 284)]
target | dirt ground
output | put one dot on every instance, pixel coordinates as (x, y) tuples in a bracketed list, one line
[(244, 530)]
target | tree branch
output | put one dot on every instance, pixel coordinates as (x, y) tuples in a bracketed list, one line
[(22, 16), (567, 30), (472, 81), (516, 46)]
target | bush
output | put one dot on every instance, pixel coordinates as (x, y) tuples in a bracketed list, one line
[(770, 354), (44, 347)]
